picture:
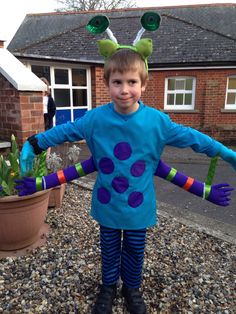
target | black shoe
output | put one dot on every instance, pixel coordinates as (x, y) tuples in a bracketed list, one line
[(104, 302), (134, 300)]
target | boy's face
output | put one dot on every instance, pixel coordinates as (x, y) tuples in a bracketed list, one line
[(125, 91)]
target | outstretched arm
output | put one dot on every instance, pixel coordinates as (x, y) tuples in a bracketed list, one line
[(28, 185), (228, 155), (218, 194)]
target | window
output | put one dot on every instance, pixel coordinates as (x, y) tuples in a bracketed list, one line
[(79, 77), (180, 93), (62, 97), (230, 101), (42, 71), (70, 87), (61, 76)]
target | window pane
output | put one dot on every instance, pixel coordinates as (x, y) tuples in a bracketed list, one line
[(179, 99), (188, 99), (171, 84), (231, 99), (79, 97), (170, 99), (78, 77), (62, 116), (189, 84), (61, 76), (179, 84), (232, 83), (62, 97), (41, 71)]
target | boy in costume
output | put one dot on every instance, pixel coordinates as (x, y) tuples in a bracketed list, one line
[(126, 139)]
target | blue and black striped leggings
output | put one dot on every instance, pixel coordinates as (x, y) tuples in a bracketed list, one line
[(122, 255)]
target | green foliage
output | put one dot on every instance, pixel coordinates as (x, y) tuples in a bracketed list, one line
[(10, 168)]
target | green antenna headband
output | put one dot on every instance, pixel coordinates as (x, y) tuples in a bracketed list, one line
[(107, 47)]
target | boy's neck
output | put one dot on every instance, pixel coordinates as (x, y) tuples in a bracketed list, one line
[(127, 111)]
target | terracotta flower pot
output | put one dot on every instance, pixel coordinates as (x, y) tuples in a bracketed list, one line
[(56, 196), (21, 219)]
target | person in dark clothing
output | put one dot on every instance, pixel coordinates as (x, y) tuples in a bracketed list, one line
[(49, 106), (49, 110)]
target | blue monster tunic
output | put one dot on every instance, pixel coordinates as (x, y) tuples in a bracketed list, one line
[(126, 150)]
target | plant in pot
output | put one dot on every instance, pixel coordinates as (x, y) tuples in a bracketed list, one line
[(21, 218), (55, 163)]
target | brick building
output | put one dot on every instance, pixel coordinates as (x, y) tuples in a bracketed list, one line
[(21, 111), (192, 71)]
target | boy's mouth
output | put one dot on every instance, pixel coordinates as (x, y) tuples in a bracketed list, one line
[(125, 99)]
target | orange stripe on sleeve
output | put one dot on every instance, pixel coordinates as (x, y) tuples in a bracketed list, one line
[(188, 183), (61, 176)]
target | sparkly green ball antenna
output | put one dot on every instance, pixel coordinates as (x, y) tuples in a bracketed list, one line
[(98, 24), (150, 21)]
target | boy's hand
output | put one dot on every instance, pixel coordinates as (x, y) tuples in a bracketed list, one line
[(229, 156), (26, 186), (26, 158), (220, 194)]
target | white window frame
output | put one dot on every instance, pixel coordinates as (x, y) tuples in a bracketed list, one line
[(71, 87), (230, 106), (69, 67), (175, 92)]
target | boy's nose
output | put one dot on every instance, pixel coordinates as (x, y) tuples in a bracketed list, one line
[(124, 88)]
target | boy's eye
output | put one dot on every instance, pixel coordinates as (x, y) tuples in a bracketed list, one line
[(132, 82), (116, 82)]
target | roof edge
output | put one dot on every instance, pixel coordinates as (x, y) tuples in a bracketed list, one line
[(46, 58), (152, 66), (229, 4), (17, 74)]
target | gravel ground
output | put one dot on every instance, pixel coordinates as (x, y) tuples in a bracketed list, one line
[(185, 271)]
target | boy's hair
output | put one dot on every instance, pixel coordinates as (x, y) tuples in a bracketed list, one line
[(124, 60)]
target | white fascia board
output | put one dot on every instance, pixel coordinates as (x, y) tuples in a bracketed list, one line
[(17, 74)]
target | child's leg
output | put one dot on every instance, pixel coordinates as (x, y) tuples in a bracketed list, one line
[(132, 257), (110, 251), (110, 241)]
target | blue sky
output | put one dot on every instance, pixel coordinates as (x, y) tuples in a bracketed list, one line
[(13, 12)]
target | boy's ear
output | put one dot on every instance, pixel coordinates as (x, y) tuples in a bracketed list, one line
[(143, 88)]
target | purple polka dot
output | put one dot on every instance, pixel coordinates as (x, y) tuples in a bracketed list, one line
[(103, 195), (138, 168), (122, 151), (120, 184), (135, 199), (106, 165)]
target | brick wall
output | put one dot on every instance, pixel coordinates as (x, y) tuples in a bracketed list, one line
[(208, 116), (99, 92), (21, 113)]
